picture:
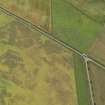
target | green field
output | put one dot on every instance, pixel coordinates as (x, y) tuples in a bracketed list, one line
[(74, 28), (93, 8), (81, 81), (78, 30)]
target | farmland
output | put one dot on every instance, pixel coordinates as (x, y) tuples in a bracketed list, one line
[(35, 11), (29, 67), (81, 81), (98, 80), (72, 27), (76, 29), (93, 8), (37, 69)]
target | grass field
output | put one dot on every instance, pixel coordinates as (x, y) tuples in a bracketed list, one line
[(34, 70), (74, 28), (98, 83), (79, 31), (36, 11), (81, 81), (93, 8)]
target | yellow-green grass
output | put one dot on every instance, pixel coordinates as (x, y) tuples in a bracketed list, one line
[(11, 93), (34, 70), (35, 11), (4, 19)]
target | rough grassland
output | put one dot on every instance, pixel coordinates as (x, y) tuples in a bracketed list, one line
[(34, 70)]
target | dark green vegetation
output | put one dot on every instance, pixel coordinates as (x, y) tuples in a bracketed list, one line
[(98, 83), (81, 81), (72, 27)]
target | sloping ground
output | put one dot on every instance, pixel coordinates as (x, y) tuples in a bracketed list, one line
[(34, 70), (35, 11), (95, 9), (98, 84), (73, 27)]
